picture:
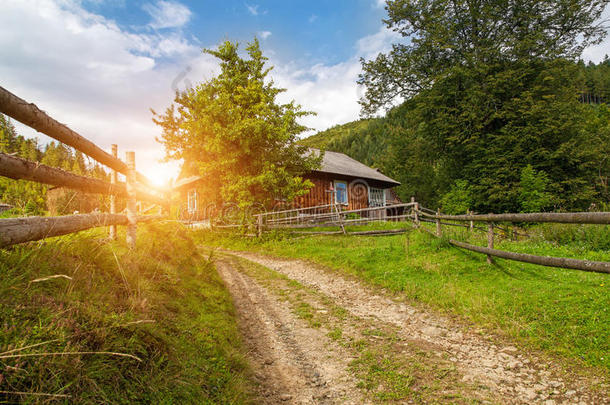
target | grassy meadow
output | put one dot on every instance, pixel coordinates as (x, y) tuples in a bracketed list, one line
[(163, 304), (565, 313)]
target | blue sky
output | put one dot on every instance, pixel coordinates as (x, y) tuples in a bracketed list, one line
[(100, 65), (317, 31)]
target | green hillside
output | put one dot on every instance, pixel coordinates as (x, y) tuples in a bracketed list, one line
[(551, 145), (364, 140)]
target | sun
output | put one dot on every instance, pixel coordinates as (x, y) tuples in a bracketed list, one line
[(161, 174)]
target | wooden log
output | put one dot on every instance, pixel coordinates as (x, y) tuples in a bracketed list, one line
[(370, 233), (379, 232), (131, 200), (30, 115), (439, 231), (601, 218), (549, 261), (319, 233), (20, 169), (20, 230), (562, 262), (113, 180), (490, 240), (259, 225), (415, 212)]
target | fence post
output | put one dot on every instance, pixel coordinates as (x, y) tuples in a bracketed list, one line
[(259, 225), (340, 218), (490, 240), (415, 211), (471, 225), (113, 180), (131, 199), (439, 232)]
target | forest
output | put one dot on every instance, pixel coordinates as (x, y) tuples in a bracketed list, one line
[(29, 198), (554, 157)]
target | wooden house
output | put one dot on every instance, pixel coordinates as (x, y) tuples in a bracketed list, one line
[(340, 180)]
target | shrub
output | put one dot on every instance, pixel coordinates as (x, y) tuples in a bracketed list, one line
[(458, 200), (532, 190)]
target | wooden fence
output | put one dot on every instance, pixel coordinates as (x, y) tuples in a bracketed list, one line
[(328, 215), (297, 219), (599, 218), (137, 186)]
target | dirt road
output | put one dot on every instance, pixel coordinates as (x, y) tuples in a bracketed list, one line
[(316, 337)]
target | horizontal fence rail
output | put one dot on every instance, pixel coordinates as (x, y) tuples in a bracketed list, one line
[(337, 222), (595, 218), (20, 230), (30, 115), (298, 218), (563, 262), (331, 206), (20, 169), (599, 218), (295, 210)]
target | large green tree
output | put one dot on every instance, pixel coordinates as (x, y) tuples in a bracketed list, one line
[(235, 131), (490, 87)]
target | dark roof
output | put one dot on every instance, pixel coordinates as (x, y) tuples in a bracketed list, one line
[(340, 163), (333, 163), (185, 181)]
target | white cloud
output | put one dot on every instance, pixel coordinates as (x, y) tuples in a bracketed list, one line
[(98, 79), (369, 46), (102, 80), (167, 14), (331, 90), (253, 9), (264, 34), (598, 52), (379, 3)]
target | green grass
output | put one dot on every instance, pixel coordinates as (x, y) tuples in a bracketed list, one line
[(565, 313), (163, 303)]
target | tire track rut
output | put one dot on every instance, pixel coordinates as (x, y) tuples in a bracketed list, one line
[(293, 363)]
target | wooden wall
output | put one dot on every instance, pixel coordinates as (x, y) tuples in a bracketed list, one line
[(318, 195), (357, 193)]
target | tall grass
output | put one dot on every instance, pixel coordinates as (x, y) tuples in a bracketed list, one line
[(162, 303), (594, 237)]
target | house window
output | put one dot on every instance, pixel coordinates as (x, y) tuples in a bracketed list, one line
[(192, 200), (340, 192), (376, 197)]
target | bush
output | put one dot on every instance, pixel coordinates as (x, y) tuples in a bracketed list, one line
[(458, 200), (532, 190)]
